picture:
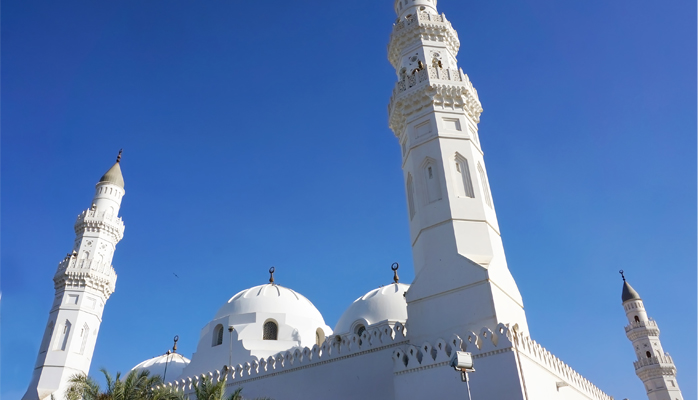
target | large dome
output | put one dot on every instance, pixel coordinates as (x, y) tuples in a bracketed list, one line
[(269, 298), (257, 323), (168, 366), (385, 304)]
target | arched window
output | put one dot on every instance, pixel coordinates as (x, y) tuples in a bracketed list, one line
[(410, 194), (636, 318), (463, 181), (484, 185), (320, 336), (218, 336), (648, 354), (270, 330), (360, 329)]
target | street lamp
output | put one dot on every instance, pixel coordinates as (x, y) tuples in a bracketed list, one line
[(230, 343), (462, 361)]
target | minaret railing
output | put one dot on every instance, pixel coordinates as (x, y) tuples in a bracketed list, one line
[(663, 361)]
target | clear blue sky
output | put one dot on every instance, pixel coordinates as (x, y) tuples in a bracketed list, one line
[(255, 134)]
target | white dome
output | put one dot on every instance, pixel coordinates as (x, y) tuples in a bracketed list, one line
[(157, 366), (385, 304), (257, 323), (269, 298)]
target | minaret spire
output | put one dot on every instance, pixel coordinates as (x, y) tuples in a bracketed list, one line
[(83, 282), (654, 367), (458, 254)]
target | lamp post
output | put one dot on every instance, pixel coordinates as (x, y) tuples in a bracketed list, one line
[(462, 361), (230, 343)]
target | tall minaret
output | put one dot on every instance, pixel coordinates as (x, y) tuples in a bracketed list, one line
[(462, 280), (83, 282), (654, 367)]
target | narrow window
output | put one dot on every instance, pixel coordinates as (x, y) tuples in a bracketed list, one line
[(84, 334), (47, 337), (463, 181), (218, 336), (636, 318), (270, 330), (410, 195), (648, 354), (484, 185), (62, 341), (432, 183)]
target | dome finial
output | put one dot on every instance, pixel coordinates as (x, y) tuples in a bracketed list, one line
[(119, 156), (395, 267), (623, 275), (175, 339), (272, 275)]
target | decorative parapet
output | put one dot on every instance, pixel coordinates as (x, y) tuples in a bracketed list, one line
[(664, 361), (335, 348), (93, 221), (73, 272), (639, 329), (428, 27), (487, 343), (436, 87)]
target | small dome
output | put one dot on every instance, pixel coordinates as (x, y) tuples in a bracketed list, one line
[(385, 304), (113, 176), (628, 293), (174, 363), (269, 298)]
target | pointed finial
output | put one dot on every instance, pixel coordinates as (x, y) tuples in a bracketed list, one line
[(395, 267), (175, 339), (623, 275), (272, 274), (119, 156)]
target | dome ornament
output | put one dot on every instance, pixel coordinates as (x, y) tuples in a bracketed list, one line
[(395, 267), (119, 156), (272, 275), (623, 275), (175, 339)]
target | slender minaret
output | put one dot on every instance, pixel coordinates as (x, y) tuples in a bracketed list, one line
[(462, 280), (654, 367), (83, 282)]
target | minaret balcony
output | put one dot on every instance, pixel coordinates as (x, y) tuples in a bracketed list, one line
[(665, 362), (426, 27), (93, 220), (636, 330), (72, 264)]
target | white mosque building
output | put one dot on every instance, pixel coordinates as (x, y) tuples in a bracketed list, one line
[(396, 341)]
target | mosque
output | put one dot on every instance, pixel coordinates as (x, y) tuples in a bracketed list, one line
[(398, 341)]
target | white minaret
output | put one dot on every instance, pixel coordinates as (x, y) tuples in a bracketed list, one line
[(654, 367), (462, 280), (83, 282)]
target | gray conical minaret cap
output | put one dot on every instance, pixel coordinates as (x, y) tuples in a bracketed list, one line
[(628, 292), (114, 174)]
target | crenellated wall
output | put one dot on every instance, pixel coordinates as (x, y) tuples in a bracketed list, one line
[(337, 369), (508, 365)]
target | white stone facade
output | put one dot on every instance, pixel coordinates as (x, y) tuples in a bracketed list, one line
[(83, 282)]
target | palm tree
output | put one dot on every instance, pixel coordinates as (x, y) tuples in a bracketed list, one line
[(206, 389), (137, 385)]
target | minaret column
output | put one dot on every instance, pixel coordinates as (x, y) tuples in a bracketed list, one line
[(654, 367), (83, 282), (462, 279)]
